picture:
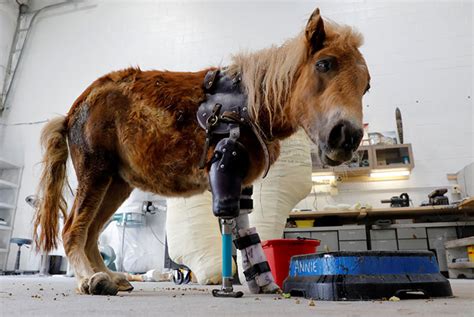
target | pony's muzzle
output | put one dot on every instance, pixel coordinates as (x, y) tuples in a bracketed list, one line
[(343, 139)]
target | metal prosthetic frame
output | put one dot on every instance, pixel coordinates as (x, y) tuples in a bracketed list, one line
[(229, 166), (254, 261)]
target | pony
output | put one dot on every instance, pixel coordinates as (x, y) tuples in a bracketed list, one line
[(138, 129)]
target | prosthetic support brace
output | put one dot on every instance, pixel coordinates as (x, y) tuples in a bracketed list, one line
[(223, 113), (254, 262)]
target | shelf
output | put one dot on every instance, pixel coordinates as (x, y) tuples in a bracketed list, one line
[(362, 157), (7, 185), (461, 265), (6, 206), (372, 158), (393, 156), (393, 213), (393, 166), (4, 164), (10, 177), (467, 203), (352, 171), (325, 228), (390, 146), (459, 243)]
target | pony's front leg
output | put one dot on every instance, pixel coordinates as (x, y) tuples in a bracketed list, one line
[(254, 261)]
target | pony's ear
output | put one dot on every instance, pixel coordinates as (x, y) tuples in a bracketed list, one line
[(314, 31)]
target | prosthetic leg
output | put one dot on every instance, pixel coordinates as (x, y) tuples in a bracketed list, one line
[(228, 169), (229, 166)]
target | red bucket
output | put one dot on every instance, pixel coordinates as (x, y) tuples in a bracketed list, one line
[(280, 251)]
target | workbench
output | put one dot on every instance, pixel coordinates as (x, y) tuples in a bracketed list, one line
[(464, 208), (361, 231)]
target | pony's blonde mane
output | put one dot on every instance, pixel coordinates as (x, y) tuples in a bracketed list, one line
[(268, 75)]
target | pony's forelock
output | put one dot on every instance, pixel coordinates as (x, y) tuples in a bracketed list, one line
[(343, 34)]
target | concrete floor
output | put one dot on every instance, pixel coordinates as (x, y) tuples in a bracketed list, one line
[(55, 296)]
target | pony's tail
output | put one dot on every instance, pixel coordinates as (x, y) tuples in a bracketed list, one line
[(52, 182)]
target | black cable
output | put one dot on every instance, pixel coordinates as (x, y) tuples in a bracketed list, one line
[(23, 123), (153, 232)]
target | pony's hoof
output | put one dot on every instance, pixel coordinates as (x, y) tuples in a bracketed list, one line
[(101, 284), (123, 284), (83, 287), (271, 288)]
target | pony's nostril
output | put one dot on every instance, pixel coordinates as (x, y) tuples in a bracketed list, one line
[(345, 136), (336, 136)]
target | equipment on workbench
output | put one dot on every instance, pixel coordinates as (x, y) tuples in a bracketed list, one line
[(398, 201), (437, 198), (399, 121), (366, 275)]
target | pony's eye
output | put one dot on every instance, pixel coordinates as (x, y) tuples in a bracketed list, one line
[(323, 65)]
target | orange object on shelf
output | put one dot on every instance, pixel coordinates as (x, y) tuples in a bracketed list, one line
[(306, 223), (470, 253)]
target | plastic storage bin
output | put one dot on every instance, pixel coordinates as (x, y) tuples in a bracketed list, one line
[(304, 223)]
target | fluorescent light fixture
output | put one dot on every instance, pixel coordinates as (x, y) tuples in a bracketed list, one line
[(389, 173), (323, 178)]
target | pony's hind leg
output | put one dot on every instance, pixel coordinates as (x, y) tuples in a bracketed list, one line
[(117, 193), (90, 193)]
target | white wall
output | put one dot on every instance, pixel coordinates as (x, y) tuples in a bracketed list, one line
[(419, 54), (8, 20)]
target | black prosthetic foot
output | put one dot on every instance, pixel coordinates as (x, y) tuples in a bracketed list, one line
[(224, 293)]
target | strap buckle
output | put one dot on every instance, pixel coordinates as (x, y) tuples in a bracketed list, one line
[(213, 118), (211, 122)]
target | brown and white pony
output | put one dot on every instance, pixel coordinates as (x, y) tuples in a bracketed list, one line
[(138, 129)]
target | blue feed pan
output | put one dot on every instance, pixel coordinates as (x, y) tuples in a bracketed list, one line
[(366, 275)]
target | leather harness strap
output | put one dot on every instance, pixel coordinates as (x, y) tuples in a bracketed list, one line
[(224, 108), (209, 79)]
